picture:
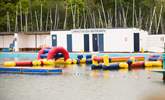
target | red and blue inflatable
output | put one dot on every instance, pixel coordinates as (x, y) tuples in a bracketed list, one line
[(53, 53)]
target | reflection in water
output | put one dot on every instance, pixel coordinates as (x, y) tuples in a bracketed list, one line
[(153, 68), (106, 74), (125, 73)]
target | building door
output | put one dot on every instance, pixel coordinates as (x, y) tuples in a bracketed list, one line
[(101, 42), (54, 40), (69, 42), (95, 42), (86, 42), (136, 42)]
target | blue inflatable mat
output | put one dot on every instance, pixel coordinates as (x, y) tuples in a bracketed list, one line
[(30, 70)]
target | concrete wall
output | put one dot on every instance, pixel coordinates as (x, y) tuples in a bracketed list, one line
[(6, 40)]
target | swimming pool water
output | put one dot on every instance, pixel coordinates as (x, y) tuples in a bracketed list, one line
[(81, 83), (74, 55)]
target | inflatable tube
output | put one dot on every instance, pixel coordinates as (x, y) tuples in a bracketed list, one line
[(56, 50), (110, 60), (139, 58), (42, 56), (96, 67), (156, 64), (59, 61), (148, 64), (9, 63), (153, 59), (129, 62), (42, 51), (46, 50), (137, 65), (106, 60), (47, 62), (79, 56), (88, 56), (123, 65), (37, 63), (74, 61), (113, 66), (24, 63), (99, 59), (119, 59), (88, 61), (83, 61), (59, 55), (68, 61)]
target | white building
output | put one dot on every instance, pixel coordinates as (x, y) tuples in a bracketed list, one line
[(32, 41), (103, 40), (6, 39), (156, 43), (25, 41), (88, 40)]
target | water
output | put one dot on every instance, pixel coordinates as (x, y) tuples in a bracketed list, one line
[(74, 55), (79, 82)]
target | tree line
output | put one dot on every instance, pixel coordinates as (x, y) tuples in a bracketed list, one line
[(47, 15)]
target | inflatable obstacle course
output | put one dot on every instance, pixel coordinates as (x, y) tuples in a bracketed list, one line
[(58, 55), (115, 63), (46, 56)]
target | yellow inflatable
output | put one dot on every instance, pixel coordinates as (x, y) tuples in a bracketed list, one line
[(153, 64), (74, 61), (68, 61), (106, 60), (148, 64), (132, 59), (123, 65), (60, 61), (36, 63), (94, 62), (9, 64), (83, 60), (48, 62)]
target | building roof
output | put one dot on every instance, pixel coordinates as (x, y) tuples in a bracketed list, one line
[(6, 33), (36, 33), (26, 33)]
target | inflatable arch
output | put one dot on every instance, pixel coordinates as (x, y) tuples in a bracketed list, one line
[(52, 53), (57, 50), (43, 51)]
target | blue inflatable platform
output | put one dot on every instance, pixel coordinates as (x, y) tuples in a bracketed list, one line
[(29, 70)]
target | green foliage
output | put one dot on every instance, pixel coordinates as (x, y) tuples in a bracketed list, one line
[(79, 6)]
